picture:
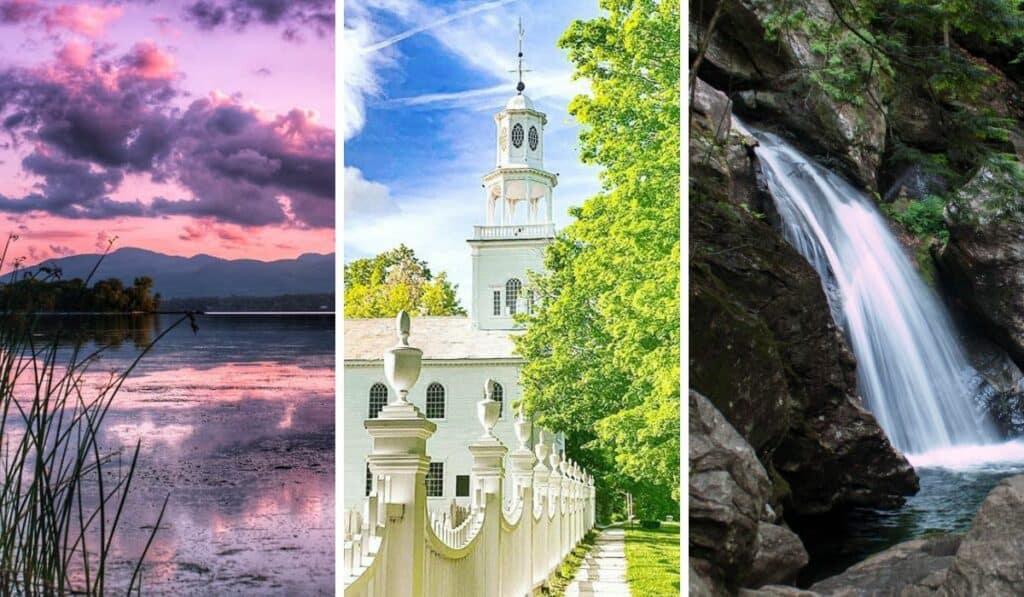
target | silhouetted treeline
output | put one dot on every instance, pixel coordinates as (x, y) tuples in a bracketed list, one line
[(285, 302), (105, 296)]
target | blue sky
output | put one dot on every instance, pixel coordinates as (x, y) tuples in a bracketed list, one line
[(423, 81)]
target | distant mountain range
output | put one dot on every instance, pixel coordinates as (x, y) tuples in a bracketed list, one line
[(205, 275)]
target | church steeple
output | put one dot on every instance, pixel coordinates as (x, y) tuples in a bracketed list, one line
[(519, 182), (519, 220)]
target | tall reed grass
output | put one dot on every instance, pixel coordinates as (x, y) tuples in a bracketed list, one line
[(62, 493)]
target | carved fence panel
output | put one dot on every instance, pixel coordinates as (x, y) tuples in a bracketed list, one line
[(506, 547)]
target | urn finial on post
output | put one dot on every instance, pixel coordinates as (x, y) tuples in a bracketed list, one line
[(402, 363), (488, 410), (523, 428)]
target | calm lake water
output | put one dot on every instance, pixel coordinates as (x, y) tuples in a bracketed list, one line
[(947, 501), (237, 426)]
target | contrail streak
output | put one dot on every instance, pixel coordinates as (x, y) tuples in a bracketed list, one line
[(458, 15)]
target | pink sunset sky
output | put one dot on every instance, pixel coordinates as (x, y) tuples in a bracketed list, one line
[(184, 127)]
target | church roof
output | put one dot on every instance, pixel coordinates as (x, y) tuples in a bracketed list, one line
[(440, 338)]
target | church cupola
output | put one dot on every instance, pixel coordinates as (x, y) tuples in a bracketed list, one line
[(518, 190), (519, 221)]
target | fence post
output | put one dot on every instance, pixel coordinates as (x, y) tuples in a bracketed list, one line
[(400, 434), (522, 461), (488, 472), (541, 476), (555, 481)]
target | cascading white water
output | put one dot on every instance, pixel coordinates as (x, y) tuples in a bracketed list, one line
[(911, 369)]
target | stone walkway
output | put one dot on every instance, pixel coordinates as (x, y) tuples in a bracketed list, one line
[(603, 572)]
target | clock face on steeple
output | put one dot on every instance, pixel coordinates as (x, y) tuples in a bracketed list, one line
[(517, 135), (534, 138)]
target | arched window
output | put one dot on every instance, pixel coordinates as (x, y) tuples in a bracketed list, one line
[(517, 135), (378, 398), (499, 396), (512, 288), (435, 401)]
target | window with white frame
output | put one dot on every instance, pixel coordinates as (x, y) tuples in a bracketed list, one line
[(512, 288), (435, 401), (499, 396), (435, 479), (529, 301), (378, 398), (497, 302), (369, 479)]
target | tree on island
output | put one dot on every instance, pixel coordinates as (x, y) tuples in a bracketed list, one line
[(394, 281), (33, 294), (602, 350)]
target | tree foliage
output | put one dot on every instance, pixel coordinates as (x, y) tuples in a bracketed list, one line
[(33, 294), (911, 47), (397, 280), (602, 350)]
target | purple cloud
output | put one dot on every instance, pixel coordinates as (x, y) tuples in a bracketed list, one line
[(94, 121), (317, 15)]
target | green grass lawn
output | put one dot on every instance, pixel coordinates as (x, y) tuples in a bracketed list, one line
[(652, 560)]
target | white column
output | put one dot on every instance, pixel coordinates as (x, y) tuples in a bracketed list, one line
[(529, 202), (548, 201), (504, 191)]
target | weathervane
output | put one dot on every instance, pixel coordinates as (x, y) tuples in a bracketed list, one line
[(520, 86)]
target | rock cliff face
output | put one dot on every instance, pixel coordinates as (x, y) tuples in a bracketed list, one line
[(766, 351), (771, 81), (984, 260)]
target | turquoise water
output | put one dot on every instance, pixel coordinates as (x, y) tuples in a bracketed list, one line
[(947, 502)]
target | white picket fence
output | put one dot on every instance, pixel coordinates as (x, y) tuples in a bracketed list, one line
[(507, 546)]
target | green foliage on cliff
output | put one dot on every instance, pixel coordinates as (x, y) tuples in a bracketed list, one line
[(32, 294), (602, 351), (907, 50), (922, 218), (394, 281)]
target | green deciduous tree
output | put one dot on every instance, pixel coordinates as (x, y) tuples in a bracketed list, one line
[(397, 280), (602, 350)]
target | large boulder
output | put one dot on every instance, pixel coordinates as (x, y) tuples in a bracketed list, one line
[(734, 538), (990, 560), (915, 567), (779, 556), (983, 261)]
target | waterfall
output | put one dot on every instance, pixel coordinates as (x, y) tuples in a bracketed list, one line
[(911, 369)]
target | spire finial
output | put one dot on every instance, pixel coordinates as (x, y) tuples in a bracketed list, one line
[(519, 69)]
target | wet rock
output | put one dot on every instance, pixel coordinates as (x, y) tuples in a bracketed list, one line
[(720, 154), (701, 582), (990, 560), (777, 591), (729, 493), (780, 555), (983, 262), (915, 567)]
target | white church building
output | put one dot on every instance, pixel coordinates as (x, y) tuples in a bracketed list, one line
[(461, 353)]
